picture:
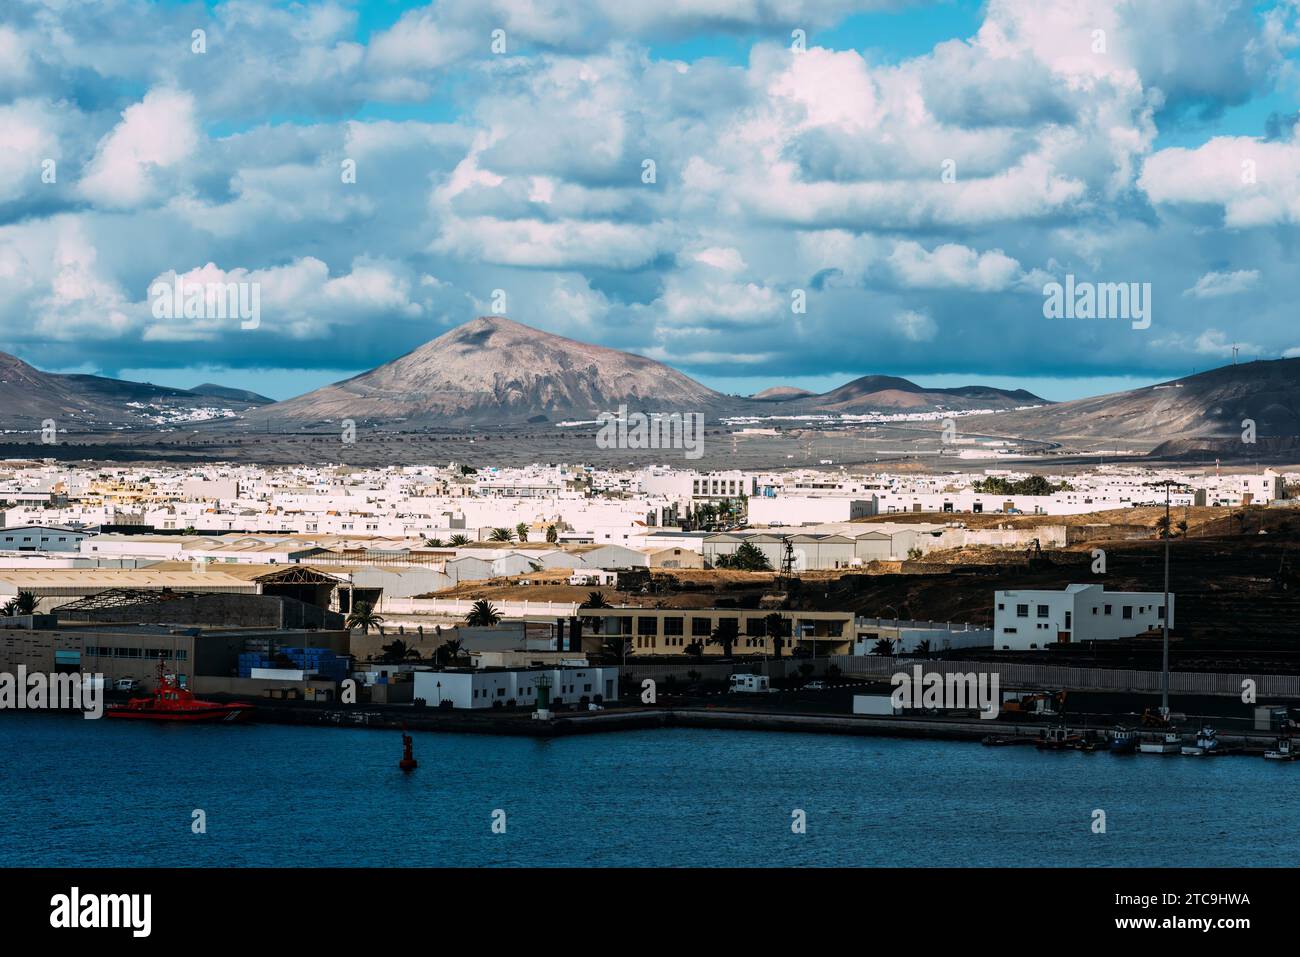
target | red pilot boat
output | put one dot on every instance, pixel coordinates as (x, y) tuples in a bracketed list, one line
[(171, 702)]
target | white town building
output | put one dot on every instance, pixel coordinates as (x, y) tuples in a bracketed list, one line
[(480, 689), (1033, 620)]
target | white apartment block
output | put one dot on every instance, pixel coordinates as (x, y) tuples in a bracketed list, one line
[(1032, 620), (481, 689)]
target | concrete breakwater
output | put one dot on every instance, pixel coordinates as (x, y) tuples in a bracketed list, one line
[(710, 718)]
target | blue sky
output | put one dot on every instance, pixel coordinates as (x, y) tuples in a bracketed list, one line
[(913, 174)]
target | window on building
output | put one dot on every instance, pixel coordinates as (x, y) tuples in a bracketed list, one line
[(1160, 613), (1043, 611), (647, 626), (673, 626), (1108, 609), (1128, 611), (1022, 611)]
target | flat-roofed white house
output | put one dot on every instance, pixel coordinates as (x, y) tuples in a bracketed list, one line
[(481, 689), (1031, 620)]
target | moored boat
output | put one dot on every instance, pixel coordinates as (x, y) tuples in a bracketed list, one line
[(1283, 750), (1123, 741), (171, 702), (1058, 738), (1207, 743), (1006, 740), (1168, 742)]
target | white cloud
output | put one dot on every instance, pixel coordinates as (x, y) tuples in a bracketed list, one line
[(156, 134), (953, 266), (1256, 183), (29, 135), (1214, 284), (726, 259), (1214, 342), (534, 243)]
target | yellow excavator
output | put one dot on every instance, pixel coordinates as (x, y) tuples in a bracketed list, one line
[(1036, 705)]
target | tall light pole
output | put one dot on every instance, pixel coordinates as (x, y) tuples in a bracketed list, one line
[(1164, 680)]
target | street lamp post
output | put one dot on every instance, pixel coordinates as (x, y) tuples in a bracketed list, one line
[(1164, 680)]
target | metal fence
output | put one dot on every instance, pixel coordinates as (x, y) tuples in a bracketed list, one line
[(459, 607), (1055, 677), (721, 670)]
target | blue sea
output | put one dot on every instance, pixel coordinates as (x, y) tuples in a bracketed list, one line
[(100, 793)]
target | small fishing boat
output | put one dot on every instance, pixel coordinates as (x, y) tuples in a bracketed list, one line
[(1283, 750), (1091, 741), (1168, 742), (1006, 740), (1058, 738), (1123, 741), (1207, 744)]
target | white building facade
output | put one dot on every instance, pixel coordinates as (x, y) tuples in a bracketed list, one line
[(1032, 620), (482, 689)]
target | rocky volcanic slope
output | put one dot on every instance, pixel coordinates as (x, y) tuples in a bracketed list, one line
[(880, 393), (29, 396), (496, 371), (1206, 405)]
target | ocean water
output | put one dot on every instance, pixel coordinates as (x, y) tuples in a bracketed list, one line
[(101, 793)]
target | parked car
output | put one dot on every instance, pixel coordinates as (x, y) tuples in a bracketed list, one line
[(816, 686), (126, 684)]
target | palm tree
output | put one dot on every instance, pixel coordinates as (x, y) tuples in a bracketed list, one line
[(459, 540), (25, 603), (397, 651), (521, 530), (552, 536), (1182, 527), (501, 535), (695, 649), (617, 646), (363, 616), (922, 648), (482, 614), (883, 647), (10, 608), (594, 600), (1162, 526), (433, 543), (725, 634), (776, 627), (448, 652)]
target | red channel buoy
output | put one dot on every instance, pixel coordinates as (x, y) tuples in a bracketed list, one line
[(408, 762)]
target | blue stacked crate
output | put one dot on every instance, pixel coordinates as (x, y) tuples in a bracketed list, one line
[(320, 661)]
